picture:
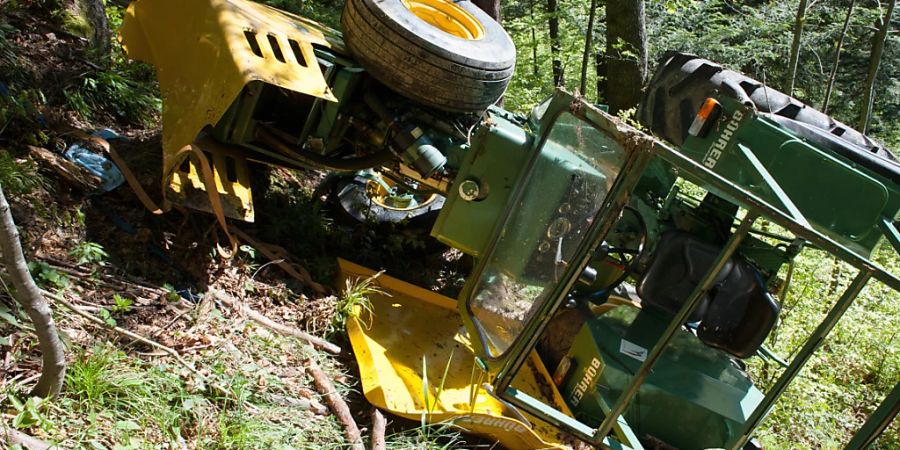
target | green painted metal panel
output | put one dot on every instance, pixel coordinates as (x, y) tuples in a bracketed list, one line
[(495, 161), (692, 387), (839, 199)]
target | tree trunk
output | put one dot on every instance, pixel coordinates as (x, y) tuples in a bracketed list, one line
[(491, 7), (795, 47), (29, 296), (626, 53), (865, 114), (534, 43), (837, 58), (602, 76), (95, 12), (555, 45), (588, 45)]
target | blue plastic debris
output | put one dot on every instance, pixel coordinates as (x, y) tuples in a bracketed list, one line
[(99, 165), (107, 134)]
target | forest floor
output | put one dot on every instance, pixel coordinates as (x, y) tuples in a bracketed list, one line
[(150, 274)]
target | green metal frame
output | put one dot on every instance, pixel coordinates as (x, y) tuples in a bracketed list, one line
[(640, 154), (482, 348), (878, 421)]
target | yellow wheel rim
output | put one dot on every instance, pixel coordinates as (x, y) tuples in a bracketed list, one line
[(379, 196), (447, 17)]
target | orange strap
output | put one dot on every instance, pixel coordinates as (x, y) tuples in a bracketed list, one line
[(209, 181), (279, 256)]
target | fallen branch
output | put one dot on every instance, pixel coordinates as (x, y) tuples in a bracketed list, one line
[(378, 426), (14, 437), (69, 171), (316, 342), (136, 337), (105, 279), (307, 404), (165, 327), (75, 309), (336, 403)]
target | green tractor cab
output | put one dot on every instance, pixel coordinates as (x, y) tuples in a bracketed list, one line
[(670, 364)]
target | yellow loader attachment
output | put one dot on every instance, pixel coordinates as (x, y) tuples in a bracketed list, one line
[(205, 52), (415, 361)]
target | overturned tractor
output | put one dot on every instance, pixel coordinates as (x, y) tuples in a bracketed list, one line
[(620, 281)]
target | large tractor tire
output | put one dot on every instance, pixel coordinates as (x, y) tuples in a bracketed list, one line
[(440, 53), (684, 81)]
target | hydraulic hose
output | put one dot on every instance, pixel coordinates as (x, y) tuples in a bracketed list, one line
[(318, 161)]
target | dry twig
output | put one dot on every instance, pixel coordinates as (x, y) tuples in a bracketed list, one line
[(110, 281), (336, 403), (136, 337), (378, 426), (75, 309), (278, 256), (316, 342)]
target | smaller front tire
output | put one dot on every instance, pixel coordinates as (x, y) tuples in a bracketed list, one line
[(354, 200)]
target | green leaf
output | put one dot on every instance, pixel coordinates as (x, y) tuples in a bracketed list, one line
[(248, 250), (29, 415), (16, 403), (107, 317), (6, 314), (127, 425)]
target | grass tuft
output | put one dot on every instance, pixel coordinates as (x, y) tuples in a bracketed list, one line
[(115, 93), (19, 177), (354, 301)]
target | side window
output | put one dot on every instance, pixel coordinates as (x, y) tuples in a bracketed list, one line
[(574, 171)]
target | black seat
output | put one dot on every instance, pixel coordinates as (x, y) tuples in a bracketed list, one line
[(678, 264), (735, 315), (740, 314)]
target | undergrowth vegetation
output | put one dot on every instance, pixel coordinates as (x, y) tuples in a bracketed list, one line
[(120, 90), (36, 78), (858, 365), (19, 177), (114, 400)]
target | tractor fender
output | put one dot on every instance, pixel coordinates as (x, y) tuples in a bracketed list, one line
[(206, 51)]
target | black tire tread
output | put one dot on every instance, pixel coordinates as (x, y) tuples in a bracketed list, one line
[(382, 35), (403, 63), (422, 43), (687, 80), (452, 83)]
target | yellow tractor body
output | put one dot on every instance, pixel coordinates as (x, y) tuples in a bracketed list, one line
[(415, 361), (205, 53)]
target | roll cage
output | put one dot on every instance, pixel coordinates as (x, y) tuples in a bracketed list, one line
[(638, 150)]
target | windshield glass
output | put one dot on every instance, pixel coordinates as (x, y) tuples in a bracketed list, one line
[(538, 111), (572, 175)]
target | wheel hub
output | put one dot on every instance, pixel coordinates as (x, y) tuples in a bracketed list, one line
[(447, 17), (395, 198)]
